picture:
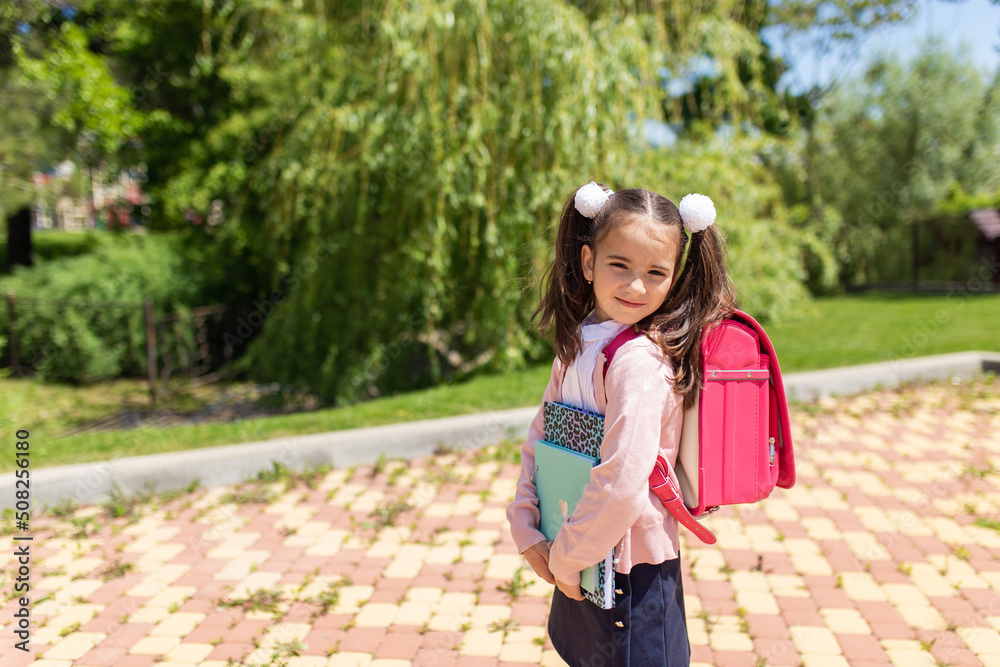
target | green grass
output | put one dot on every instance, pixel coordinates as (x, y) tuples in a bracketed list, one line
[(832, 332), (872, 327)]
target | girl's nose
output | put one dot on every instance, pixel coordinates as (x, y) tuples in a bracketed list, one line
[(637, 285)]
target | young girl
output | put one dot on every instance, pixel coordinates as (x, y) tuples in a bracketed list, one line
[(623, 259)]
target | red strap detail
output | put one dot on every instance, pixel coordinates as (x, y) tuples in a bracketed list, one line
[(616, 342), (659, 482)]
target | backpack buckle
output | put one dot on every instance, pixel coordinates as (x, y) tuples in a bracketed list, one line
[(771, 449)]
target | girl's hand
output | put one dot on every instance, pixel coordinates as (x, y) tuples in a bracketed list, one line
[(537, 556), (572, 591)]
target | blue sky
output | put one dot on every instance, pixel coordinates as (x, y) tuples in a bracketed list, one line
[(974, 22)]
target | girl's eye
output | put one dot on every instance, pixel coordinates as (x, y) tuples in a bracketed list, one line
[(658, 273), (619, 265)]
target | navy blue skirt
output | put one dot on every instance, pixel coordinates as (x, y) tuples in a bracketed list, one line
[(646, 627)]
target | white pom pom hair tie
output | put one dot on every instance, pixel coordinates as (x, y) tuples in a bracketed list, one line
[(697, 212), (590, 198)]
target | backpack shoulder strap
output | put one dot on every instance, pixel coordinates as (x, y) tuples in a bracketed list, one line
[(609, 351)]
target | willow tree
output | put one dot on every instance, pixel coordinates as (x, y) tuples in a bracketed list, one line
[(397, 169)]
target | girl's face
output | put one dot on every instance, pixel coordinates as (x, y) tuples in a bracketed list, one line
[(632, 272)]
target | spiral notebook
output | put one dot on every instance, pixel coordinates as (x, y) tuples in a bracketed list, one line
[(570, 448)]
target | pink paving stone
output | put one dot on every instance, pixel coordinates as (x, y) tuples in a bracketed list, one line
[(778, 563), (439, 640), (364, 640), (892, 631), (715, 590), (247, 630), (491, 595), (213, 590), (471, 571), (795, 604), (930, 545), (860, 647), (766, 626), (476, 661), (12, 657), (206, 567), (958, 610), (461, 523), (127, 635), (198, 580), (733, 659), (283, 554), (701, 653), (831, 597), (985, 600), (139, 660), (310, 563), (332, 621), (791, 529), (899, 548), (530, 612), (228, 650), (320, 642), (720, 607), (435, 658), (887, 572), (879, 612), (777, 652), (388, 596), (846, 520), (300, 612), (809, 511), (399, 645), (97, 656), (740, 559)]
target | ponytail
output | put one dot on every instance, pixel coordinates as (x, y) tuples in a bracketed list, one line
[(567, 297), (703, 295)]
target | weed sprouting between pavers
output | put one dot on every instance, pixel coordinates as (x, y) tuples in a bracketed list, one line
[(516, 586)]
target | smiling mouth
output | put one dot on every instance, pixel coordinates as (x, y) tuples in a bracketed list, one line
[(628, 304)]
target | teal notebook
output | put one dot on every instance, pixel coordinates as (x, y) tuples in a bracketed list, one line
[(560, 476)]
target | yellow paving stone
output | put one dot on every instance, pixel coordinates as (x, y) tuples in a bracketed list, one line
[(873, 518), (438, 510), (174, 595), (414, 613), (423, 594), (757, 602), (51, 582), (79, 588), (376, 615), (172, 663), (909, 657), (720, 640), (980, 640), (240, 566), (866, 546), (822, 660), (403, 568), (190, 652), (443, 555), (697, 633), (481, 642), (319, 584), (74, 646), (814, 640), (764, 539), (549, 659), (155, 645), (994, 621), (385, 662), (161, 554), (930, 582), (349, 598), (957, 571), (485, 615), (845, 621), (328, 543), (749, 581), (475, 553), (830, 499), (496, 515), (234, 546), (800, 546), (283, 633), (152, 615), (503, 566), (906, 522), (166, 574), (861, 586), (810, 565), (147, 589), (520, 653), (307, 661), (350, 659), (922, 617), (525, 634), (536, 586), (787, 585), (902, 595), (254, 582), (82, 566), (447, 621), (178, 624)]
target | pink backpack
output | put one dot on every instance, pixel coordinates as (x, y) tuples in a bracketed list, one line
[(736, 443)]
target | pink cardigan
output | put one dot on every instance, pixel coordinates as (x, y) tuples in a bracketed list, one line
[(643, 418)]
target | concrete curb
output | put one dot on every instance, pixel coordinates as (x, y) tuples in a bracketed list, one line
[(88, 483)]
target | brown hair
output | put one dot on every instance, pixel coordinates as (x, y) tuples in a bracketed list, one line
[(702, 294)]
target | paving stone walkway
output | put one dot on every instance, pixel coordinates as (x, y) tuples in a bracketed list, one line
[(886, 552)]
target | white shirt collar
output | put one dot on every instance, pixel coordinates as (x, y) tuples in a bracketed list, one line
[(590, 331)]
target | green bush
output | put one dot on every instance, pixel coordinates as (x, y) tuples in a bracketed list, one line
[(53, 244), (80, 319)]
